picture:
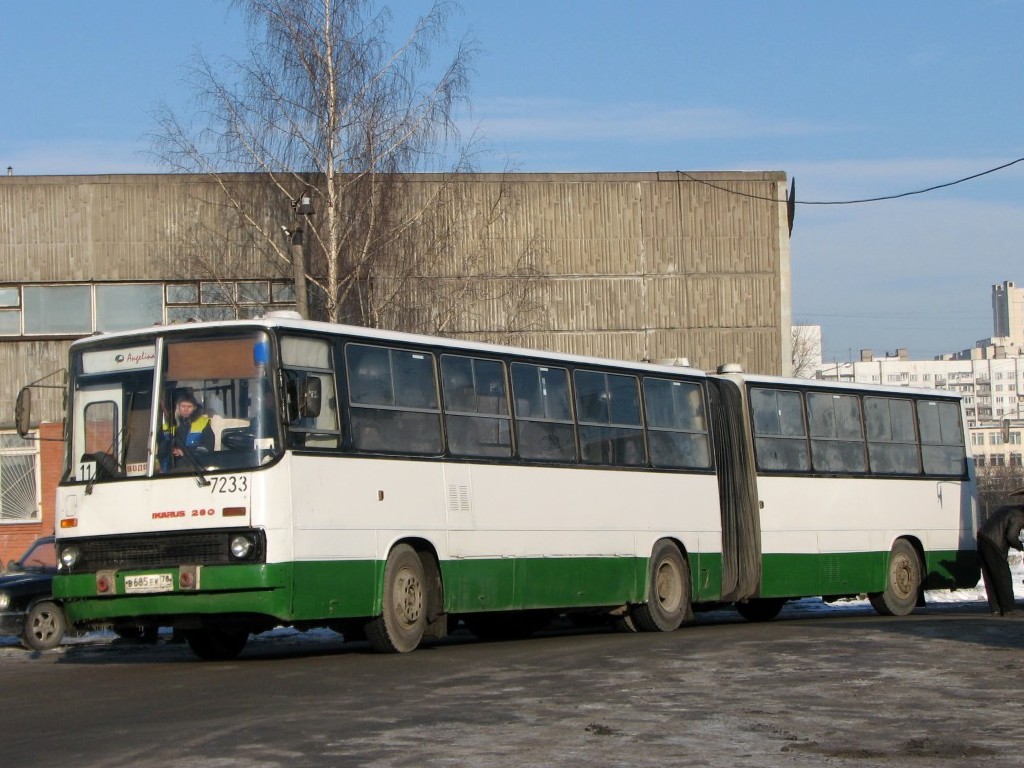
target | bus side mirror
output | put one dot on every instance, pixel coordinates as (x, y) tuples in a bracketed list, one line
[(23, 411), (309, 397)]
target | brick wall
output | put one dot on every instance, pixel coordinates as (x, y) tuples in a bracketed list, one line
[(16, 537)]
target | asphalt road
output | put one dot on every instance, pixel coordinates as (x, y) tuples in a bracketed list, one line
[(838, 688)]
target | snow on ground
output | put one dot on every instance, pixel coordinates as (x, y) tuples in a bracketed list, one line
[(974, 595)]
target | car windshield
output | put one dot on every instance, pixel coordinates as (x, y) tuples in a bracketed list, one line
[(42, 554), (213, 407)]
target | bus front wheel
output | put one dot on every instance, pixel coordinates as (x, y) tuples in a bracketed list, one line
[(668, 591), (403, 618), (902, 582)]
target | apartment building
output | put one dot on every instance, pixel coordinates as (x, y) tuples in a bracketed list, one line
[(989, 376)]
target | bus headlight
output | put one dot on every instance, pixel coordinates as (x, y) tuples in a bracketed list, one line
[(242, 547), (69, 556), (5, 601)]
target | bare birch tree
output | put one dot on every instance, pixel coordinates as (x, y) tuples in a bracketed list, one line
[(806, 350), (325, 103)]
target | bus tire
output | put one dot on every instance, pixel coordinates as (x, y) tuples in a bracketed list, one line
[(760, 608), (902, 581), (44, 626), (403, 618), (216, 644), (668, 591)]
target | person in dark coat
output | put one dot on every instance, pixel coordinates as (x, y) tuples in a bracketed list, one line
[(189, 432), (999, 533)]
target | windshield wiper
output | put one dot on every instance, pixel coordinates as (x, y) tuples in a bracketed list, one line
[(198, 470)]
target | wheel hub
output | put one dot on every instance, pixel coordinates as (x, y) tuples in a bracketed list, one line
[(408, 597)]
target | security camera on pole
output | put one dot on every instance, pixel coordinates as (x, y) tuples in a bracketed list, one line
[(303, 206)]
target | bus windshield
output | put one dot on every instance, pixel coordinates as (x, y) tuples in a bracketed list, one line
[(214, 408)]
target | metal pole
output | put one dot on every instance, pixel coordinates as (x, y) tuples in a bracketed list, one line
[(299, 264)]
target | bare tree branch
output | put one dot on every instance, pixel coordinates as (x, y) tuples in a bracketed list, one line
[(324, 102)]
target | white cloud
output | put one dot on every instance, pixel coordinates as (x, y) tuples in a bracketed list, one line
[(506, 120)]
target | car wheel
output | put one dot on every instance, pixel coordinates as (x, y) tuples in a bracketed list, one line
[(44, 626)]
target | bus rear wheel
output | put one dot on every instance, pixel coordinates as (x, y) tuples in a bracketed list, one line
[(668, 591), (902, 582), (403, 618)]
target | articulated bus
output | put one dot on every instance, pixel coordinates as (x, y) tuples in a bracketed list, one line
[(388, 486)]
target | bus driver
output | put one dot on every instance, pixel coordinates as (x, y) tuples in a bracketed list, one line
[(190, 432)]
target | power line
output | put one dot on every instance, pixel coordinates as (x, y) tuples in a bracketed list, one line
[(852, 202)]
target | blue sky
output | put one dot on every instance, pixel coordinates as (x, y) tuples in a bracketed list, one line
[(852, 99)]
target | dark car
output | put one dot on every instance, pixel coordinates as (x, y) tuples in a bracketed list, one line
[(27, 607)]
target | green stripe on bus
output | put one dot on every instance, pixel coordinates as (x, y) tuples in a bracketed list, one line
[(327, 590), (844, 573)]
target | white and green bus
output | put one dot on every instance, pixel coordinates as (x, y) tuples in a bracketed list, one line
[(388, 485)]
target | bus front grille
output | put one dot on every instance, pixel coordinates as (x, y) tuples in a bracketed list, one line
[(137, 552)]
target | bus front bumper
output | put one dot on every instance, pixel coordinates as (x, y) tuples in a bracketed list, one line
[(259, 589)]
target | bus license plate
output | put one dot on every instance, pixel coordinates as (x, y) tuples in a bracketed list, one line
[(151, 582)]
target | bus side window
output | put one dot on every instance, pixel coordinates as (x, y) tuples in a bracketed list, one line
[(543, 421), (476, 406), (942, 439), (837, 438), (892, 442), (676, 424), (393, 400), (313, 424), (780, 439), (608, 410)]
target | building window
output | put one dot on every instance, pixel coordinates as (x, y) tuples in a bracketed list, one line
[(282, 293), (81, 309), (1015, 460), (253, 292), (19, 497), (58, 309), (10, 311), (215, 293), (187, 293), (123, 307)]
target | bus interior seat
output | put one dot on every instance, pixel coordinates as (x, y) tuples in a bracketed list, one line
[(220, 424)]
